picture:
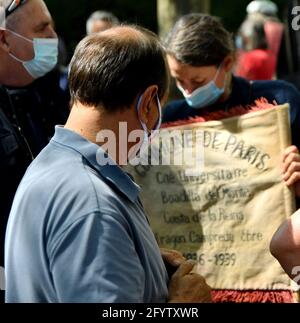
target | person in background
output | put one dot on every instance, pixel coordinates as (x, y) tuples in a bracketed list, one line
[(100, 21), (77, 230), (97, 22), (254, 60), (265, 12), (31, 102), (201, 56)]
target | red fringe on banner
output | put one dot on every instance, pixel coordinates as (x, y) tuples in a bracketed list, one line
[(261, 104), (256, 296), (237, 296)]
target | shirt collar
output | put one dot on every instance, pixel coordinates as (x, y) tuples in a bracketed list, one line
[(90, 151)]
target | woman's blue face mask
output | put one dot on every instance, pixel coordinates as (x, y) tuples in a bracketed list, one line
[(206, 95)]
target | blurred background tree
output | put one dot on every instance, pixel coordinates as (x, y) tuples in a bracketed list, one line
[(157, 15), (168, 11), (70, 16)]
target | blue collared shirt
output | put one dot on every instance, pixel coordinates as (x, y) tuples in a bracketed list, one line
[(77, 232)]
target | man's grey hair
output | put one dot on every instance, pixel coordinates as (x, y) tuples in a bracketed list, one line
[(100, 16)]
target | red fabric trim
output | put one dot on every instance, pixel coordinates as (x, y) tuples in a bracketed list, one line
[(233, 296), (261, 104)]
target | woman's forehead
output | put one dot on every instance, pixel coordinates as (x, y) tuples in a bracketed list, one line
[(189, 71)]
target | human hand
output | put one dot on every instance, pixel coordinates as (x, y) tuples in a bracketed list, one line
[(291, 168), (188, 287), (172, 259)]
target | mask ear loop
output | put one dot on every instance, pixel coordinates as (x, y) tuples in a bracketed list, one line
[(138, 106), (22, 37), (159, 121), (218, 73), (18, 35), (152, 133)]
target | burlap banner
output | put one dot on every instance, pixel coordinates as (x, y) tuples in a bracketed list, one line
[(225, 215)]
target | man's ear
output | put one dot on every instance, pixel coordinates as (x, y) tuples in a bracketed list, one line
[(146, 103), (3, 43)]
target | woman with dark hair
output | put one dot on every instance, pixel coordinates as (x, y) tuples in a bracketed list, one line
[(201, 56), (255, 60)]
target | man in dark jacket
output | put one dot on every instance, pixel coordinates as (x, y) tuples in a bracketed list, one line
[(31, 103)]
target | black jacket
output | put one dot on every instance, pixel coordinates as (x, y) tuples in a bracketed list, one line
[(27, 120)]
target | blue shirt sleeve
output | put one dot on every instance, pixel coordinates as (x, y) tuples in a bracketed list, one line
[(95, 261)]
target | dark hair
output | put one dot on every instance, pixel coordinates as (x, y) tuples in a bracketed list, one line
[(111, 69), (199, 40)]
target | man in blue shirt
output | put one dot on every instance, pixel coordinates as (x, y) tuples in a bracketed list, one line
[(77, 231)]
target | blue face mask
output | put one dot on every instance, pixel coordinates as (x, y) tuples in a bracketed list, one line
[(45, 56), (206, 95)]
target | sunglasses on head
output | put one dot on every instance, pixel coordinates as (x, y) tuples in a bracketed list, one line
[(14, 5)]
